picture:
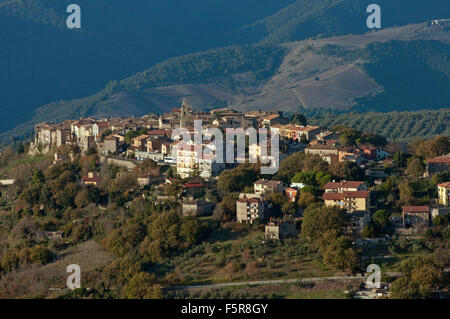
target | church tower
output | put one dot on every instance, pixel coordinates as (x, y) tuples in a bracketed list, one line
[(184, 114)]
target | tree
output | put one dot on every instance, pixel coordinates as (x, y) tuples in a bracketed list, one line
[(369, 231), (306, 199), (406, 192), (141, 286), (31, 195), (401, 159), (290, 166), (428, 277), (340, 255), (299, 119), (318, 219), (38, 177), (148, 165), (346, 140), (381, 219), (236, 179), (415, 167), (314, 163), (442, 220), (404, 288), (277, 200), (307, 178), (190, 231), (422, 277), (174, 188), (438, 146), (20, 148), (346, 170), (228, 206), (289, 208), (132, 134), (41, 255)]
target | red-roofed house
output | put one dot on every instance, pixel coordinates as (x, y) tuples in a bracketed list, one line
[(291, 193), (90, 179), (350, 201), (437, 165), (348, 186), (416, 216)]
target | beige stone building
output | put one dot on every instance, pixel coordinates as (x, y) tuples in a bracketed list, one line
[(264, 186), (444, 194), (249, 210), (350, 201), (280, 229)]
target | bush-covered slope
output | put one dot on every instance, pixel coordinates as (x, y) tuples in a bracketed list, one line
[(410, 74), (213, 66), (309, 18), (395, 126)]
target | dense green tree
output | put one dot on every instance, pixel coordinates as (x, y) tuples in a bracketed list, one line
[(291, 166), (381, 219), (38, 177), (340, 255), (141, 286), (298, 119), (415, 167), (236, 179), (318, 219)]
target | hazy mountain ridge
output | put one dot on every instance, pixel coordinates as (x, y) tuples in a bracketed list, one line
[(46, 62), (309, 18)]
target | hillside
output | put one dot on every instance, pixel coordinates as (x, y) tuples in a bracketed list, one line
[(395, 68), (44, 62), (310, 18), (395, 126)]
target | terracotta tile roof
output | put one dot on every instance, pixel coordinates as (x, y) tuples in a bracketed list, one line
[(260, 181), (343, 195), (415, 209), (321, 147), (442, 159), (446, 185), (103, 124), (307, 128), (156, 132), (250, 200), (193, 185), (343, 184), (141, 137), (271, 117)]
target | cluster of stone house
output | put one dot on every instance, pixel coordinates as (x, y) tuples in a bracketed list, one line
[(331, 152), (296, 132), (107, 137)]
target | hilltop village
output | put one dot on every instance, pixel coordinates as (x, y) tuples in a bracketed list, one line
[(346, 197)]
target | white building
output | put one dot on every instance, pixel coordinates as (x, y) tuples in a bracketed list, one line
[(198, 159)]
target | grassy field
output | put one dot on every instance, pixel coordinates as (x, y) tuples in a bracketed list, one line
[(241, 255), (46, 280)]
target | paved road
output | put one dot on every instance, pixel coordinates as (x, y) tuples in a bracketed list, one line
[(274, 282)]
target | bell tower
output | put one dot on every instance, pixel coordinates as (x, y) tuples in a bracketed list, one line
[(184, 113)]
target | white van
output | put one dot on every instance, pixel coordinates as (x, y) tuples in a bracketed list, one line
[(169, 160)]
